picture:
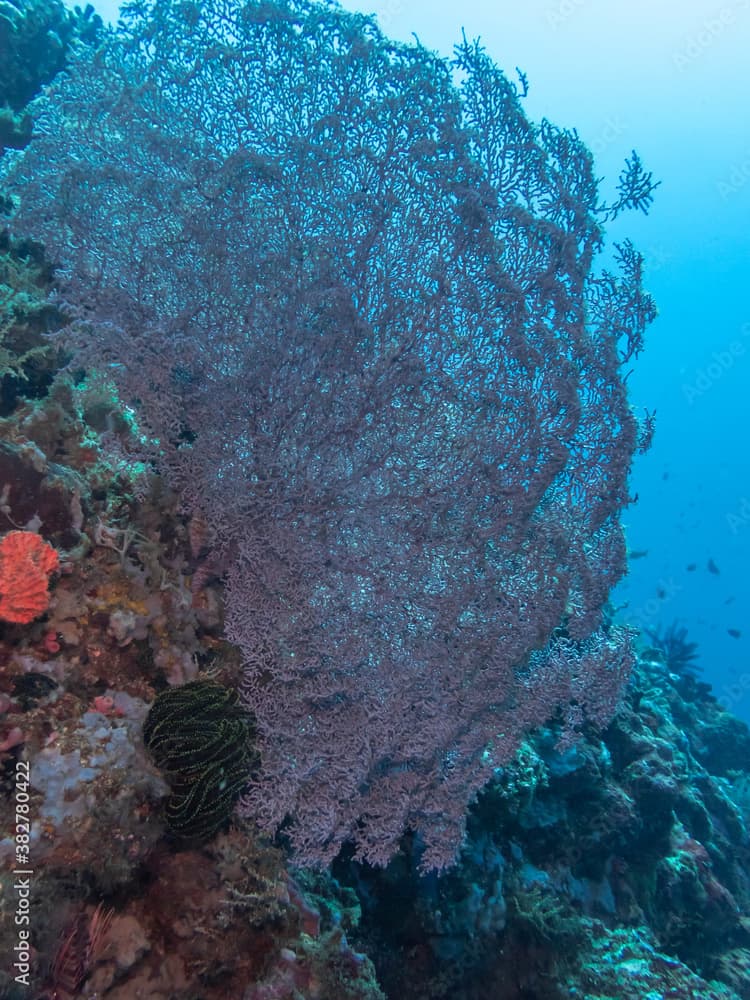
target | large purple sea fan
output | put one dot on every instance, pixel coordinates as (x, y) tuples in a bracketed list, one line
[(348, 289)]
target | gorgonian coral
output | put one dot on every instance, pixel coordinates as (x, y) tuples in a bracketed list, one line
[(349, 290)]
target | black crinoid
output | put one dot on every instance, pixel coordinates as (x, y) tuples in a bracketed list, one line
[(202, 740), (673, 648)]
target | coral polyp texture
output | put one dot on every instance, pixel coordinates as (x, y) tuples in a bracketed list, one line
[(349, 292), (26, 564)]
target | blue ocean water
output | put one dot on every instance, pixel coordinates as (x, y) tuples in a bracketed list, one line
[(673, 84)]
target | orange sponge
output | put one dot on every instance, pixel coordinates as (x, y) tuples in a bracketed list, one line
[(26, 562)]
